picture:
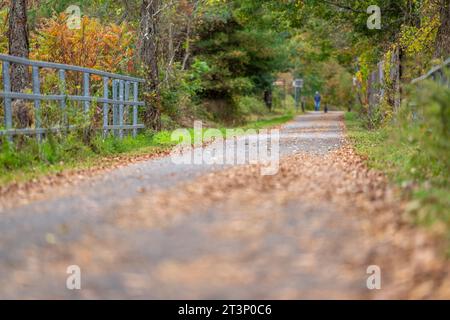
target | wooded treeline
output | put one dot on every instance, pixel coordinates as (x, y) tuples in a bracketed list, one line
[(198, 57), (219, 58)]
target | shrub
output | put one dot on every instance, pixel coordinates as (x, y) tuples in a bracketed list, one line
[(96, 45), (248, 105), (414, 150)]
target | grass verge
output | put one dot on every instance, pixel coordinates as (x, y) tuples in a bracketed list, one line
[(31, 161), (421, 174)]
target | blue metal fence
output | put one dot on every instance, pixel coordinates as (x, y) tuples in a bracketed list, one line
[(124, 89)]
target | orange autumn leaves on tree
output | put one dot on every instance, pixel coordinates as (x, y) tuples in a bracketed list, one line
[(3, 31), (95, 45)]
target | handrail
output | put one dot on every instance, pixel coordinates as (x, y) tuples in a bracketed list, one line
[(60, 66), (116, 102), (432, 72), (30, 96)]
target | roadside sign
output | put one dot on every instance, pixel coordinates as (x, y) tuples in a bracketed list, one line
[(298, 83)]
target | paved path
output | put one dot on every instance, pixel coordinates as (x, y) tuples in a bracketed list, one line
[(158, 230)]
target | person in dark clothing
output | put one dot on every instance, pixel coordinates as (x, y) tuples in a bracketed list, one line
[(268, 99), (317, 99)]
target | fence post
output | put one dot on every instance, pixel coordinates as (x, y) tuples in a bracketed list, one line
[(37, 102), (135, 107), (86, 90), (395, 78), (381, 81), (105, 106), (114, 92), (127, 106), (62, 90), (121, 96), (8, 101)]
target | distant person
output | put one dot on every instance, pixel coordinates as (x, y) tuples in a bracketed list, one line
[(317, 99), (268, 99)]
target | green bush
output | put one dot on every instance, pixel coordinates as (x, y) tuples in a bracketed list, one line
[(182, 91), (424, 123), (414, 150), (248, 105)]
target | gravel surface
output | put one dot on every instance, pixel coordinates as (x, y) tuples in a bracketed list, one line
[(157, 230)]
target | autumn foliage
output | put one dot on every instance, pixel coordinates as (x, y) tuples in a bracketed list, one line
[(95, 45)]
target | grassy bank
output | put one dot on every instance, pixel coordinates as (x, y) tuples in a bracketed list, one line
[(269, 122), (30, 160), (415, 156)]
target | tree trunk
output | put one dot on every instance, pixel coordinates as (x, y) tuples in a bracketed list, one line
[(268, 98), (19, 46), (443, 35), (149, 57), (188, 45), (191, 17)]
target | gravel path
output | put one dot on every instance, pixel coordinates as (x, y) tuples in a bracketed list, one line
[(158, 230)]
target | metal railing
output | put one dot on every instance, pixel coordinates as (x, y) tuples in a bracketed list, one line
[(437, 74), (120, 101)]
